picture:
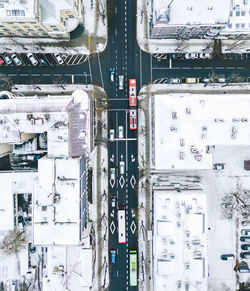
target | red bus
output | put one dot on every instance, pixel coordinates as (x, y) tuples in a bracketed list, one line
[(132, 92)]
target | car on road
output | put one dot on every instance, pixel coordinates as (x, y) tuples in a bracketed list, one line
[(191, 55), (245, 247), (58, 58), (1, 61), (113, 201), (132, 119), (120, 131), (7, 59), (226, 206), (112, 173), (245, 231), (205, 80), (111, 134), (16, 60), (112, 74), (245, 255), (227, 257), (113, 256), (121, 82), (245, 238), (174, 81), (122, 166), (32, 59), (205, 56)]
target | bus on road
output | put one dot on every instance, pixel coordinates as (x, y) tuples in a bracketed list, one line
[(132, 92), (133, 268), (121, 226)]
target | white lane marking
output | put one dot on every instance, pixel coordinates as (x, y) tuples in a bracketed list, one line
[(47, 75), (115, 10), (37, 75), (170, 63), (91, 79), (151, 72), (11, 75), (116, 31), (219, 68)]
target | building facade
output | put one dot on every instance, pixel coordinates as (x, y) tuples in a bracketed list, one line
[(39, 18)]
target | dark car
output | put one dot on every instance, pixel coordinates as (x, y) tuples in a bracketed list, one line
[(245, 238), (43, 62), (227, 257), (245, 255), (113, 256), (245, 247), (176, 56), (32, 249), (245, 231)]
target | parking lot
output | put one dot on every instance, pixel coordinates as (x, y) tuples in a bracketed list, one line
[(41, 59)]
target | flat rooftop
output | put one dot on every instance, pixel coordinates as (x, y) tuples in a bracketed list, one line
[(56, 218), (185, 124), (192, 12), (179, 240)]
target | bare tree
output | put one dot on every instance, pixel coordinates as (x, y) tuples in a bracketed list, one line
[(14, 241)]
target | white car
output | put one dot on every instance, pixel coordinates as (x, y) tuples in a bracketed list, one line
[(112, 173), (112, 135), (120, 131), (191, 56), (58, 58), (7, 59), (16, 60), (121, 82), (122, 166), (32, 59), (205, 56)]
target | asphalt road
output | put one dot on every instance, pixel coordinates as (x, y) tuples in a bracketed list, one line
[(123, 54)]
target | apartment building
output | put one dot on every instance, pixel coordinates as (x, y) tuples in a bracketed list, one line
[(39, 18), (178, 19)]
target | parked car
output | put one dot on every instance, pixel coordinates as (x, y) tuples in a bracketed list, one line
[(112, 173), (245, 238), (192, 80), (58, 58), (176, 56), (219, 120), (227, 257), (220, 166), (112, 74), (205, 56), (1, 61), (132, 119), (111, 134), (245, 255), (43, 62), (121, 82), (113, 201), (32, 59), (191, 55), (226, 206), (120, 131), (245, 247), (113, 256), (122, 166), (245, 231), (32, 249), (245, 222), (16, 60), (174, 81), (205, 80), (7, 59)]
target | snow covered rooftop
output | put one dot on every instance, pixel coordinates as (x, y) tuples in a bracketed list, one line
[(69, 267), (18, 10), (65, 118), (191, 12), (185, 124), (12, 183), (56, 219), (51, 10), (179, 241)]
